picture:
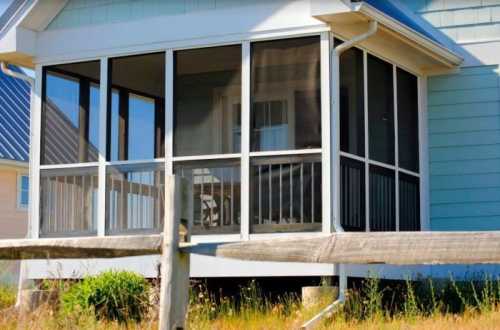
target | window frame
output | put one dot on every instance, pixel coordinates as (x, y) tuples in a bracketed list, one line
[(422, 142), (20, 205)]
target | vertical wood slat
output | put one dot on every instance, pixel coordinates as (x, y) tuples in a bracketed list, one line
[(221, 208), (301, 192), (291, 192), (281, 193), (312, 194), (270, 174), (232, 195)]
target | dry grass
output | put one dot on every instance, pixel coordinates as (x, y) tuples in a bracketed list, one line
[(477, 307), (45, 319)]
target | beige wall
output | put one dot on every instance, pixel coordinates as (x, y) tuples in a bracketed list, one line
[(13, 221)]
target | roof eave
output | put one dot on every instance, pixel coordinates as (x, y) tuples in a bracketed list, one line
[(447, 57)]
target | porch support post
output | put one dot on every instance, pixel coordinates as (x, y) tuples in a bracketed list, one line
[(174, 290)]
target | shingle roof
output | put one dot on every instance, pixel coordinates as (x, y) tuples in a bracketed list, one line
[(14, 118)]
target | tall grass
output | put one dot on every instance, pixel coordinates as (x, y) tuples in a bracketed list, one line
[(370, 303)]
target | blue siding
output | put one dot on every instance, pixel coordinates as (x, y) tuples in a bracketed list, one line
[(464, 141), (79, 13), (461, 20)]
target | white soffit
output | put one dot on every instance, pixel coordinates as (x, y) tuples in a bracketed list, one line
[(394, 39)]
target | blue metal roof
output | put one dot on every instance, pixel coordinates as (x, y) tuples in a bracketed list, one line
[(14, 118), (388, 8)]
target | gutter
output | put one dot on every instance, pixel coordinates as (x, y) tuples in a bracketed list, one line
[(5, 69), (445, 55), (335, 170)]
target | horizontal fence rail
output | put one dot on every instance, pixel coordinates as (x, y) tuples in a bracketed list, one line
[(397, 248)]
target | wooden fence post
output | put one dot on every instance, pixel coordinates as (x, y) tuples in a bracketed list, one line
[(174, 290)]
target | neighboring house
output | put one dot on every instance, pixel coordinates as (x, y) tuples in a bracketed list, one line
[(240, 98), (14, 151)]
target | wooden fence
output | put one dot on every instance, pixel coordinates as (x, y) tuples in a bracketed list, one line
[(397, 248)]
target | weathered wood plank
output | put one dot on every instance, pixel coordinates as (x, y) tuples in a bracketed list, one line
[(404, 248), (80, 247), (397, 248), (174, 292)]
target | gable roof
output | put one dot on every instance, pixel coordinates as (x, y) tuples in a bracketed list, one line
[(14, 118)]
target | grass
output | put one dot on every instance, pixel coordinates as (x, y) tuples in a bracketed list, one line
[(371, 304)]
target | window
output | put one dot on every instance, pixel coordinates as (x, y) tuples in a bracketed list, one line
[(285, 114), (207, 121), (380, 110), (70, 115), (23, 191), (207, 101), (136, 116), (380, 180), (285, 94), (135, 173), (352, 130), (69, 149)]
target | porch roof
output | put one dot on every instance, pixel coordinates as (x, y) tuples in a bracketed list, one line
[(402, 35)]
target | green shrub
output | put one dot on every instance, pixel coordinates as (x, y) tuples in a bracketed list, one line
[(7, 296), (111, 295)]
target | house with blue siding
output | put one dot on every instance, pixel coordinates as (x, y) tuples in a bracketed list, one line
[(288, 118)]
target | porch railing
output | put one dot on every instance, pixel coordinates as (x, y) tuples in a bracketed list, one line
[(286, 193), (68, 204)]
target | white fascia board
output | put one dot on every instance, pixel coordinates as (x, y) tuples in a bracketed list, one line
[(446, 56), (19, 41), (328, 7), (8, 42)]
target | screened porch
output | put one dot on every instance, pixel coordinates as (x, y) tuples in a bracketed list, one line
[(247, 124)]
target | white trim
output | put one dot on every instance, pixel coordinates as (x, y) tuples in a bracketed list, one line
[(36, 112), (326, 45), (334, 138), (402, 170), (396, 143), (245, 140), (205, 157), (19, 176), (352, 156), (367, 141), (103, 109), (285, 152), (73, 165), (374, 162), (211, 41), (134, 162), (169, 112), (425, 221)]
